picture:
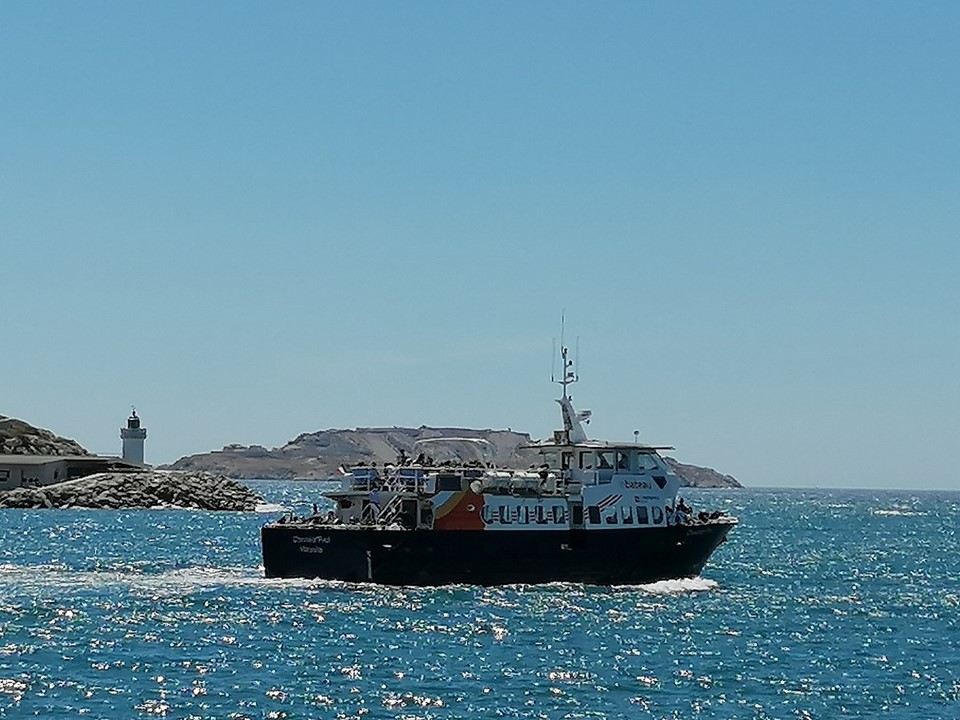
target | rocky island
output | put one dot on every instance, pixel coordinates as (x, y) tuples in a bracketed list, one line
[(202, 481), (318, 455)]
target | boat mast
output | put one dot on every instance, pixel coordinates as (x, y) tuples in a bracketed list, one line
[(569, 375), (571, 419)]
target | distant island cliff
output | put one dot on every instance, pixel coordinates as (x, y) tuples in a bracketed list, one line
[(317, 455)]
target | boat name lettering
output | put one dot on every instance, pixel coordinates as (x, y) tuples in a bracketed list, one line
[(311, 539), (308, 549), (635, 484)]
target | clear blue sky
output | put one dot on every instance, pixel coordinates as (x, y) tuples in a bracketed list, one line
[(253, 220)]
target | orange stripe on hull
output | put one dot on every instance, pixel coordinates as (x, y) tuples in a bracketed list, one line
[(463, 513)]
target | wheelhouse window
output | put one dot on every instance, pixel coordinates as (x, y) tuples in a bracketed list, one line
[(623, 460), (586, 460), (646, 461), (552, 459), (605, 460)]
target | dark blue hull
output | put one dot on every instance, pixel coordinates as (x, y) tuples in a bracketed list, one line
[(479, 557)]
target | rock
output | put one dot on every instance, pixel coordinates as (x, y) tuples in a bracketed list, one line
[(21, 438), (701, 477), (317, 455), (154, 488)]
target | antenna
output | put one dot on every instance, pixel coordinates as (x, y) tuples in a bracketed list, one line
[(562, 319), (573, 421), (578, 357), (568, 373), (553, 359)]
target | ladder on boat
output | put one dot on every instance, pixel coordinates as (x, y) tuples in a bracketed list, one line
[(391, 511)]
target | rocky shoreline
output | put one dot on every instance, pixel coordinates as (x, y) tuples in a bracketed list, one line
[(148, 489)]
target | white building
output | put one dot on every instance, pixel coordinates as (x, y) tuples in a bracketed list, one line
[(38, 470)]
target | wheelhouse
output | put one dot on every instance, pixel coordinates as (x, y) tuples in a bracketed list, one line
[(597, 463)]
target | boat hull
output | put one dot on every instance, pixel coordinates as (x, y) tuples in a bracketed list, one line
[(434, 557)]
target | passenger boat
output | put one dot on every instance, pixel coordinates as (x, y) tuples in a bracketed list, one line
[(590, 512)]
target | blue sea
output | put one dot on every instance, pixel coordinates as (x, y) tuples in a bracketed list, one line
[(822, 604)]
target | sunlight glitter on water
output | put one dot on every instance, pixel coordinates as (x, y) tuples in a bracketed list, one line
[(815, 608)]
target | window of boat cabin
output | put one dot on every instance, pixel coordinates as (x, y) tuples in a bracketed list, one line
[(586, 460), (646, 461), (611, 518), (642, 517), (566, 461), (657, 515), (449, 482), (605, 460), (626, 515), (623, 460), (593, 514), (552, 459)]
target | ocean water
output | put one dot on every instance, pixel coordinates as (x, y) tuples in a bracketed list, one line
[(822, 604)]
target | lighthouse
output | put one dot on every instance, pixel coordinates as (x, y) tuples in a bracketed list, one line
[(133, 436)]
